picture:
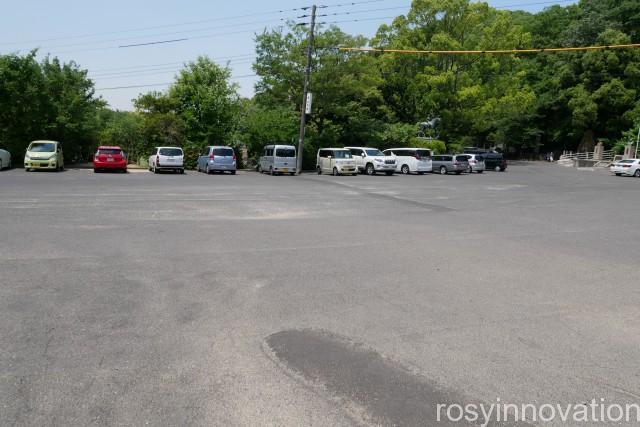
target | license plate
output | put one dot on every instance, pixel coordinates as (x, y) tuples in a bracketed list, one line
[(170, 160), (109, 159), (285, 170)]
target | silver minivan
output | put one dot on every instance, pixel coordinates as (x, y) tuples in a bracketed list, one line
[(278, 159), (445, 163), (216, 158)]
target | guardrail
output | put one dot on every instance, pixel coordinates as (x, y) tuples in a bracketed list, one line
[(573, 159)]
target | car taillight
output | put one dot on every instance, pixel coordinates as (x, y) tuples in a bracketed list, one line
[(157, 159), (234, 157), (417, 157), (212, 157), (455, 162)]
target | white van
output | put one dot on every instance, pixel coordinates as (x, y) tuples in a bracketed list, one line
[(336, 161), (411, 160), (278, 159), (167, 159)]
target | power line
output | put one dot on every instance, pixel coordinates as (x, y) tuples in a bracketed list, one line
[(155, 27), (490, 52), (150, 43), (142, 73), (215, 59), (162, 84)]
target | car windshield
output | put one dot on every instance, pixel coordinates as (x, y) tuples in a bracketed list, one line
[(626, 161), (343, 154), (223, 152), (374, 153), (42, 147), (109, 151), (170, 152), (285, 152), (480, 158), (423, 153)]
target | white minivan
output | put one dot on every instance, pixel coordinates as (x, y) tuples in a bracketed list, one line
[(411, 160), (167, 159), (278, 159), (336, 161)]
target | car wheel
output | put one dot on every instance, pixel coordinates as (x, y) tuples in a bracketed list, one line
[(233, 172), (181, 171), (292, 173), (370, 170), (354, 174), (1, 166), (271, 170), (480, 171), (335, 171), (470, 170), (259, 169), (155, 169), (420, 173), (458, 172), (637, 174), (618, 174), (405, 169), (318, 170), (95, 171), (443, 170), (497, 169)]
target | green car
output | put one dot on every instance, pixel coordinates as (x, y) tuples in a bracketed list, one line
[(44, 155)]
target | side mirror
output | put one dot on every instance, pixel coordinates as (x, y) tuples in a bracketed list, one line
[(363, 155), (329, 157)]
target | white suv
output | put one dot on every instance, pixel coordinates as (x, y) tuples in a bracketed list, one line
[(371, 160), (167, 158)]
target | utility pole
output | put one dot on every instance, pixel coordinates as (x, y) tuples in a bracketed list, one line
[(637, 143), (307, 77)]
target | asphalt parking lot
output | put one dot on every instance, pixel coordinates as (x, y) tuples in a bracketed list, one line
[(313, 300)]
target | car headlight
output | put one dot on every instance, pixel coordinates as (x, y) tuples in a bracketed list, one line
[(52, 157), (26, 158), (377, 160)]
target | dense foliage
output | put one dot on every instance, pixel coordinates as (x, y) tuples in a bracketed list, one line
[(526, 104)]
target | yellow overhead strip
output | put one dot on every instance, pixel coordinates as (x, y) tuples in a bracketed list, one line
[(491, 52)]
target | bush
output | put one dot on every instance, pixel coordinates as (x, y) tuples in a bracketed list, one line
[(436, 146)]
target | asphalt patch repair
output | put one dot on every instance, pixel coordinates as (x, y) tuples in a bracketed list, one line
[(372, 389)]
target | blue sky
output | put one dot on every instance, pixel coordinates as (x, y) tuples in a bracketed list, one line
[(90, 33)]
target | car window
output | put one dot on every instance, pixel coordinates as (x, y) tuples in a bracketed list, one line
[(423, 153), (374, 152), (356, 151), (228, 152), (42, 147), (170, 152), (109, 151), (462, 158), (343, 154), (285, 152)]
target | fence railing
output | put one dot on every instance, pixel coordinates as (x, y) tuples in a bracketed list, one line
[(600, 160)]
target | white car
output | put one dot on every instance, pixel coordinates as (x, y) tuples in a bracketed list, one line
[(167, 159), (5, 159), (411, 160), (336, 161), (628, 167), (371, 160)]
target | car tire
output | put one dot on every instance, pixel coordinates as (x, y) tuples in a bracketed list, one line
[(470, 170), (480, 171), (369, 169), (335, 172), (458, 172), (233, 172), (637, 174), (405, 170), (618, 174), (443, 170), (271, 170), (420, 173), (1, 166), (181, 171), (292, 173), (207, 170), (354, 174), (497, 169), (318, 170)]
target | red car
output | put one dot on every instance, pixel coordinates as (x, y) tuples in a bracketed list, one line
[(109, 158)]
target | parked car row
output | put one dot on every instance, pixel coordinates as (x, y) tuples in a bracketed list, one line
[(282, 159)]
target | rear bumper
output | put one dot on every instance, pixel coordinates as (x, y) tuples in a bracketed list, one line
[(623, 171), (110, 165), (169, 167), (221, 167)]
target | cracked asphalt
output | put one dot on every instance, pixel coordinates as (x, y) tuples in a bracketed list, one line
[(250, 300)]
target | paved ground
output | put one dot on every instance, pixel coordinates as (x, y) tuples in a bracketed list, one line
[(255, 300)]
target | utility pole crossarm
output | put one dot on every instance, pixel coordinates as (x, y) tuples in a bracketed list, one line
[(307, 78)]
